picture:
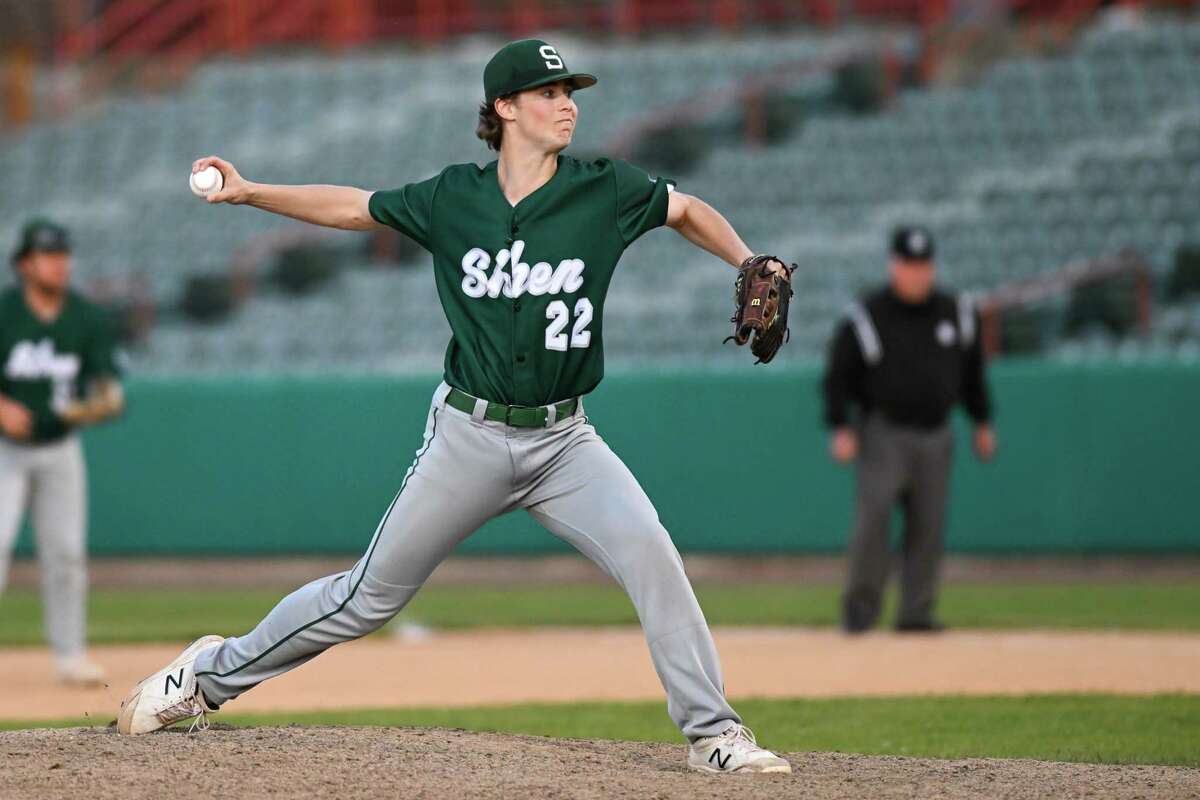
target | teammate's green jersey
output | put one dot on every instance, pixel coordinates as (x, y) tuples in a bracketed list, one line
[(45, 365), (523, 286)]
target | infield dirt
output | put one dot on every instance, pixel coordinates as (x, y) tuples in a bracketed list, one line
[(95, 763), (490, 667)]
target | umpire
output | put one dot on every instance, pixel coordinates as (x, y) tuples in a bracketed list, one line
[(904, 357)]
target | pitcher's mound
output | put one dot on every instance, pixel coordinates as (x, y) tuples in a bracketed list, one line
[(341, 763)]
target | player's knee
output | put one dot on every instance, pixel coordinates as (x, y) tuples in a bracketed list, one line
[(371, 607), (367, 615), (64, 561), (651, 551)]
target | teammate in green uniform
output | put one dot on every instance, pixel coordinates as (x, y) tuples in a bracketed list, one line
[(57, 372), (523, 252)]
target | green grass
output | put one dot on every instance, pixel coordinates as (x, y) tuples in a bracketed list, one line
[(175, 615), (1108, 729)]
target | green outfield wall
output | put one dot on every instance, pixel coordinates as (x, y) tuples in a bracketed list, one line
[(1093, 458)]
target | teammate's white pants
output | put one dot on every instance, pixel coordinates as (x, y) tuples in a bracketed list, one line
[(51, 481), (467, 471)]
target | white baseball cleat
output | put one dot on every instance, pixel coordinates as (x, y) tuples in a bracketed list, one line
[(733, 751), (80, 671), (169, 695)]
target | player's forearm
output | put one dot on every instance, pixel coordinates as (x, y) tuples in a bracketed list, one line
[(105, 403), (343, 207), (705, 227)]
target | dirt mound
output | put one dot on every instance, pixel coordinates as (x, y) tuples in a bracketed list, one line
[(295, 761)]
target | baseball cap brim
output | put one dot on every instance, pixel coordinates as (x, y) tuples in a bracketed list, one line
[(581, 80)]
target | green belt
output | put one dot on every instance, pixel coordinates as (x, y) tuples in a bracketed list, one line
[(516, 416)]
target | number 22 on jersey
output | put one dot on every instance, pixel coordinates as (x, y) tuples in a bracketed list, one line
[(559, 316)]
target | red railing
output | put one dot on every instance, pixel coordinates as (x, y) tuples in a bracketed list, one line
[(174, 27), (1039, 288), (128, 28)]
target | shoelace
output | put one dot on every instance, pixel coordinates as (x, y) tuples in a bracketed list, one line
[(200, 723), (191, 706), (742, 732)]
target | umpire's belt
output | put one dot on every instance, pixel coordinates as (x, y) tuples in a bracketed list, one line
[(516, 416)]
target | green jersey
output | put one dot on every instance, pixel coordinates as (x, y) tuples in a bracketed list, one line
[(523, 286), (46, 365)]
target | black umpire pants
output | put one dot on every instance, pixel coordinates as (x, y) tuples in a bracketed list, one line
[(910, 466)]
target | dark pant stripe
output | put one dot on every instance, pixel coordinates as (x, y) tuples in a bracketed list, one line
[(412, 471)]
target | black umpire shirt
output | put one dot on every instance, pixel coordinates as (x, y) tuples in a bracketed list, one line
[(910, 362)]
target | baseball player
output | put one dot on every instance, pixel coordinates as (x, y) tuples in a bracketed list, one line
[(523, 252), (58, 373)]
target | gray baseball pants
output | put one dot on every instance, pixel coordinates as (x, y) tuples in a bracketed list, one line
[(467, 471), (51, 481), (902, 465)]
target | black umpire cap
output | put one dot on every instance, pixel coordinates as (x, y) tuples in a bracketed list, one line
[(40, 235), (912, 243)]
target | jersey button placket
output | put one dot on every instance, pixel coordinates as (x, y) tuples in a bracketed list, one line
[(517, 359), (513, 227), (520, 357), (520, 360)]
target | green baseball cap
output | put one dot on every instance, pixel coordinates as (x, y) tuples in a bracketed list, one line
[(40, 235), (527, 64)]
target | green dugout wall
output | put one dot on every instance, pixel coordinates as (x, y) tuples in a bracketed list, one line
[(1094, 458)]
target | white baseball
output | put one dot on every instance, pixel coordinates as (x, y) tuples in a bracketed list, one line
[(207, 181)]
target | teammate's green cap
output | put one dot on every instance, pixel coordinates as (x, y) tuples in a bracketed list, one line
[(40, 235), (526, 64)]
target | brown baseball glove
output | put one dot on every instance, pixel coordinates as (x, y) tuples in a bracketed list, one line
[(762, 298)]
